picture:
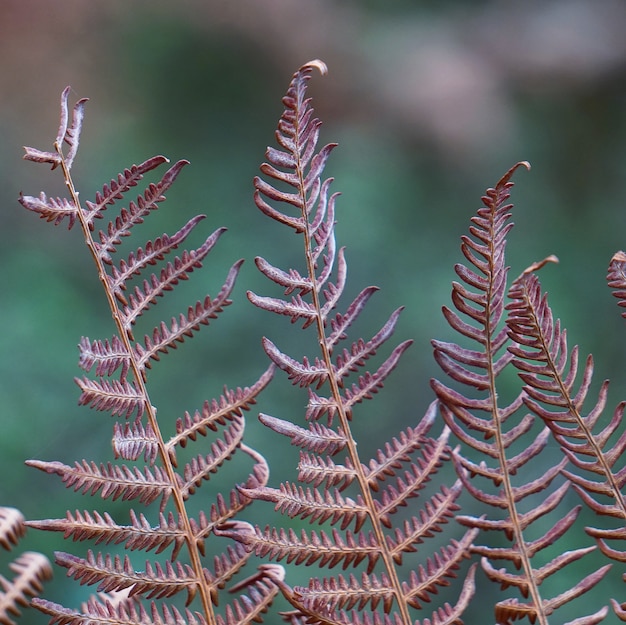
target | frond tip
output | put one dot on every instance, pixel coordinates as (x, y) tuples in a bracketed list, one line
[(361, 503), (317, 64)]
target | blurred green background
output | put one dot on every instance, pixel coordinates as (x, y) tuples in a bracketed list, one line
[(431, 102)]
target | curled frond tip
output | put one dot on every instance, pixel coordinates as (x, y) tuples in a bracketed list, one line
[(320, 65), (539, 264), (505, 179)]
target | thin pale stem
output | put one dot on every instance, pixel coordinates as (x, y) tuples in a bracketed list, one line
[(177, 496), (343, 417), (506, 478), (572, 409)]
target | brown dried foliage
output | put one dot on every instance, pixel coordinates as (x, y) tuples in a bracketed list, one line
[(510, 498), (146, 465), (30, 569)]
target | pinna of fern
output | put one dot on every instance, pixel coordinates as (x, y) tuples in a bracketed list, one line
[(360, 501), (31, 569), (549, 371), (146, 467), (479, 300)]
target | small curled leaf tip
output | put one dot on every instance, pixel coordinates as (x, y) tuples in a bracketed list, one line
[(507, 177), (320, 65), (539, 264)]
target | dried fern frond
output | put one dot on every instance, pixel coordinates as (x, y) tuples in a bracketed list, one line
[(31, 569), (146, 467), (500, 433), (359, 501), (550, 372)]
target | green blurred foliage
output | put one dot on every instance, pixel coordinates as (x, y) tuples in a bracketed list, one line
[(203, 81)]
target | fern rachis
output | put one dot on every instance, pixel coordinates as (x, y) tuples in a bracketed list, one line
[(480, 302), (121, 366), (367, 534)]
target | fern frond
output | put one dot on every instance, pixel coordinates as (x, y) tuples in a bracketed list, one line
[(11, 527), (114, 481), (156, 286), (479, 301), (367, 386), (616, 278), (435, 512), (315, 470), (360, 501), (201, 466), (550, 370), (107, 356), (217, 412), (120, 388), (116, 189), (115, 573), (31, 569), (165, 337), (153, 252), (347, 549), (331, 506), (436, 571)]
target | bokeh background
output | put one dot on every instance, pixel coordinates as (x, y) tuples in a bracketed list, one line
[(431, 102)]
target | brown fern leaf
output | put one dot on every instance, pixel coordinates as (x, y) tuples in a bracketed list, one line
[(120, 388), (361, 502), (616, 278), (106, 356), (30, 569), (102, 528), (326, 550), (154, 251), (121, 613), (506, 441), (550, 371), (12, 527), (133, 439), (316, 438), (115, 573)]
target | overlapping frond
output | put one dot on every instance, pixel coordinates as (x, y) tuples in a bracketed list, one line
[(30, 569), (499, 434), (360, 502), (146, 467), (550, 372), (616, 278)]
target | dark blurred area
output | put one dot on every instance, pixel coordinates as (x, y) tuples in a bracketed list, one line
[(430, 102)]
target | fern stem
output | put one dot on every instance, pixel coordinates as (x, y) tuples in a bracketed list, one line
[(598, 453), (508, 488), (141, 383), (336, 394)]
